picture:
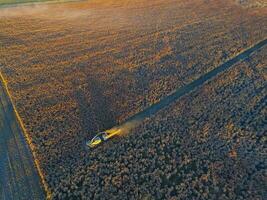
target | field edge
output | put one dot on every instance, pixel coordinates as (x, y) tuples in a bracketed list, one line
[(28, 139)]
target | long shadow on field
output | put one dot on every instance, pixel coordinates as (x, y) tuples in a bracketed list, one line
[(148, 112), (94, 107)]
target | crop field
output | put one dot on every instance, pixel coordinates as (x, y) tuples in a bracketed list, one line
[(78, 68), (209, 145)]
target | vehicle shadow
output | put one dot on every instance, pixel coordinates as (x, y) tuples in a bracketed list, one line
[(94, 107)]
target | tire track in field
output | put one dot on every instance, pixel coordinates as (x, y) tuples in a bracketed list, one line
[(18, 176), (180, 92)]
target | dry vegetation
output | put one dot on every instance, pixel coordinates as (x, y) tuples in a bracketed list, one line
[(92, 65), (209, 145)]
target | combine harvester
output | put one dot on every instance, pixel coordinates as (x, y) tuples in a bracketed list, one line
[(103, 136)]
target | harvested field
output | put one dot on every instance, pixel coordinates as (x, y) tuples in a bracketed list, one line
[(19, 178), (78, 68)]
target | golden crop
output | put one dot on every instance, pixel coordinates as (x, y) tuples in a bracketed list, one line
[(78, 68)]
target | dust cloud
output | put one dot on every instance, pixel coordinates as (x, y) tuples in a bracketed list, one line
[(126, 127), (52, 11), (23, 10)]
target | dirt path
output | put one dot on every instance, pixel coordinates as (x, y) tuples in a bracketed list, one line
[(18, 176), (189, 87)]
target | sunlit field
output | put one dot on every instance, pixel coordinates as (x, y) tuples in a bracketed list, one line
[(79, 68)]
